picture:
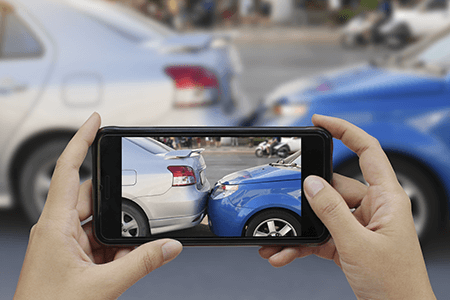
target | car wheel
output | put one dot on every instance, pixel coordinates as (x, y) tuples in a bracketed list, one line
[(398, 39), (351, 41), (420, 187), (259, 153), (134, 221), (273, 223), (283, 152), (36, 173)]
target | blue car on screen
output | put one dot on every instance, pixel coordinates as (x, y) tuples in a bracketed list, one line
[(263, 201), (402, 100)]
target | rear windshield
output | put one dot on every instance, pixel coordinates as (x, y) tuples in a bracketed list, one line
[(123, 20), (150, 145)]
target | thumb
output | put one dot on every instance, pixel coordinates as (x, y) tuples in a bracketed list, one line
[(331, 209), (127, 270)]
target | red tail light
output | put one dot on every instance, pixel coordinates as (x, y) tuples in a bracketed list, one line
[(182, 175), (194, 86)]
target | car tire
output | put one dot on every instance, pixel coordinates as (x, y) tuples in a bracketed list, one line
[(134, 221), (259, 153), (273, 223), (419, 184), (36, 173), (283, 152), (398, 39)]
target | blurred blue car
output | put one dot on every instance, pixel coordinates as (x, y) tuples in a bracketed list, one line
[(263, 201), (402, 100)]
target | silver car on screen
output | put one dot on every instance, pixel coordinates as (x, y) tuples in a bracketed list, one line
[(162, 189)]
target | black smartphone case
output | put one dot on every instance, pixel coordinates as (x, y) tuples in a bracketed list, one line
[(107, 220)]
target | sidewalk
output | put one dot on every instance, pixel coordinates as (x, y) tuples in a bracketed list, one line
[(273, 34), (230, 149)]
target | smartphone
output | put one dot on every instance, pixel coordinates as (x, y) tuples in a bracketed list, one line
[(208, 185)]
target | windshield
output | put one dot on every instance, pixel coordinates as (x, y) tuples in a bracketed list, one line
[(123, 20), (294, 158), (439, 53), (431, 54)]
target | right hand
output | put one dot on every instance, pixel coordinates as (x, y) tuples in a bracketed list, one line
[(376, 246)]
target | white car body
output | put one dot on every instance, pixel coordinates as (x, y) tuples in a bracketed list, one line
[(421, 20), (81, 60), (148, 182), (294, 143)]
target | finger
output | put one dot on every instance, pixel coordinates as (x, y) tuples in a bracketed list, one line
[(122, 252), (84, 205), (288, 255), (332, 210), (128, 269), (267, 251), (328, 251), (352, 190), (374, 163), (63, 193), (89, 231)]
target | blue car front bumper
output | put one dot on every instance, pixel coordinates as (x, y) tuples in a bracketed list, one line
[(225, 219)]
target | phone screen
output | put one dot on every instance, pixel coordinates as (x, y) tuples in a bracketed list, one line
[(235, 186)]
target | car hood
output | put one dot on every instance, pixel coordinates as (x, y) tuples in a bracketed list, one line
[(368, 81), (261, 174)]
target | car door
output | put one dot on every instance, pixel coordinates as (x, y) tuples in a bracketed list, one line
[(25, 62)]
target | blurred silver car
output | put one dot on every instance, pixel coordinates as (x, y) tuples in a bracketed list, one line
[(162, 189), (60, 60)]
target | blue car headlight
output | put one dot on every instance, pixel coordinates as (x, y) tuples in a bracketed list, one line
[(290, 109), (224, 190)]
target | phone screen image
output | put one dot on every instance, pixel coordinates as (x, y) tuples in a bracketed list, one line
[(222, 189)]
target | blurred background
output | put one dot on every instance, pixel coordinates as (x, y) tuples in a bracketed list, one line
[(383, 65)]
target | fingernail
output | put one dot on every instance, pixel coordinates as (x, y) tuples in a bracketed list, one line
[(171, 249), (312, 186)]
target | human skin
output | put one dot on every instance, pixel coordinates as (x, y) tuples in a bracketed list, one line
[(376, 246), (63, 260)]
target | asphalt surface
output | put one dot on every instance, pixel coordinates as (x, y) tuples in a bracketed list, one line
[(238, 272)]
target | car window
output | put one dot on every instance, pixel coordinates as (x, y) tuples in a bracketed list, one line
[(437, 54), (150, 145), (123, 20), (16, 39)]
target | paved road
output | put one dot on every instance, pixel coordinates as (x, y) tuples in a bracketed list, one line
[(266, 66), (239, 273)]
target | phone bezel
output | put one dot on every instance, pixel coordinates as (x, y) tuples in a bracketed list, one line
[(103, 212)]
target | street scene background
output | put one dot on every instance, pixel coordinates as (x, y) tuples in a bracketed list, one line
[(273, 51)]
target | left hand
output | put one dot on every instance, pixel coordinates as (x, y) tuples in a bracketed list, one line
[(63, 260)]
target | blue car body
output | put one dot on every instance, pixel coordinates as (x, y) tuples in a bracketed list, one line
[(260, 188), (407, 108)]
